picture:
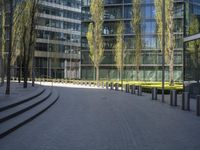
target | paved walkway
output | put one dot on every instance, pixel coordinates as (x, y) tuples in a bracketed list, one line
[(16, 91), (97, 119)]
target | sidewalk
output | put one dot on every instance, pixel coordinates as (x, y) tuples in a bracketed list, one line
[(179, 101), (16, 91), (99, 119)]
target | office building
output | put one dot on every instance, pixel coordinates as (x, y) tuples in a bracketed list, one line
[(151, 60), (58, 28), (192, 47), (58, 39)]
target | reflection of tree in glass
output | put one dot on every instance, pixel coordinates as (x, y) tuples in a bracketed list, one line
[(194, 46), (169, 33)]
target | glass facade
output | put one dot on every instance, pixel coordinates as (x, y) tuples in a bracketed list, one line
[(151, 60), (192, 41), (192, 17), (58, 39)]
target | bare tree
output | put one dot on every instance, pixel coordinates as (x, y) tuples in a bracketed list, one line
[(9, 48), (17, 42), (29, 37), (3, 40)]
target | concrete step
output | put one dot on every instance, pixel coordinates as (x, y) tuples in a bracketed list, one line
[(14, 102), (21, 108), (11, 125)]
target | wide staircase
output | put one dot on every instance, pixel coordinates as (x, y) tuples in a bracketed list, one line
[(18, 111)]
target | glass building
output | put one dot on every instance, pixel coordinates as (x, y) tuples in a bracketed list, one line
[(58, 39), (192, 45), (151, 60)]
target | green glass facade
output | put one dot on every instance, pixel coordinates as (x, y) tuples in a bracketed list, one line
[(151, 60), (192, 41)]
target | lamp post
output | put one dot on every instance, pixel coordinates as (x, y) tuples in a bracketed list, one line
[(163, 50)]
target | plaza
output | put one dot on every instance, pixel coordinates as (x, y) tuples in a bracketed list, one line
[(94, 118), (99, 74)]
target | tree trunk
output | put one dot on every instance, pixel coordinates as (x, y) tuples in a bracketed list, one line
[(31, 40), (3, 42), (171, 70), (33, 72), (2, 71), (10, 47), (24, 60), (137, 72), (20, 70), (97, 73), (171, 61), (19, 74), (171, 47), (121, 77), (120, 74), (25, 76), (26, 72)]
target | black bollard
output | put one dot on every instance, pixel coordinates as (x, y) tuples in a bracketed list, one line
[(198, 105), (186, 101), (116, 86), (133, 89), (111, 86), (173, 98), (139, 91), (127, 88), (154, 93), (107, 85)]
